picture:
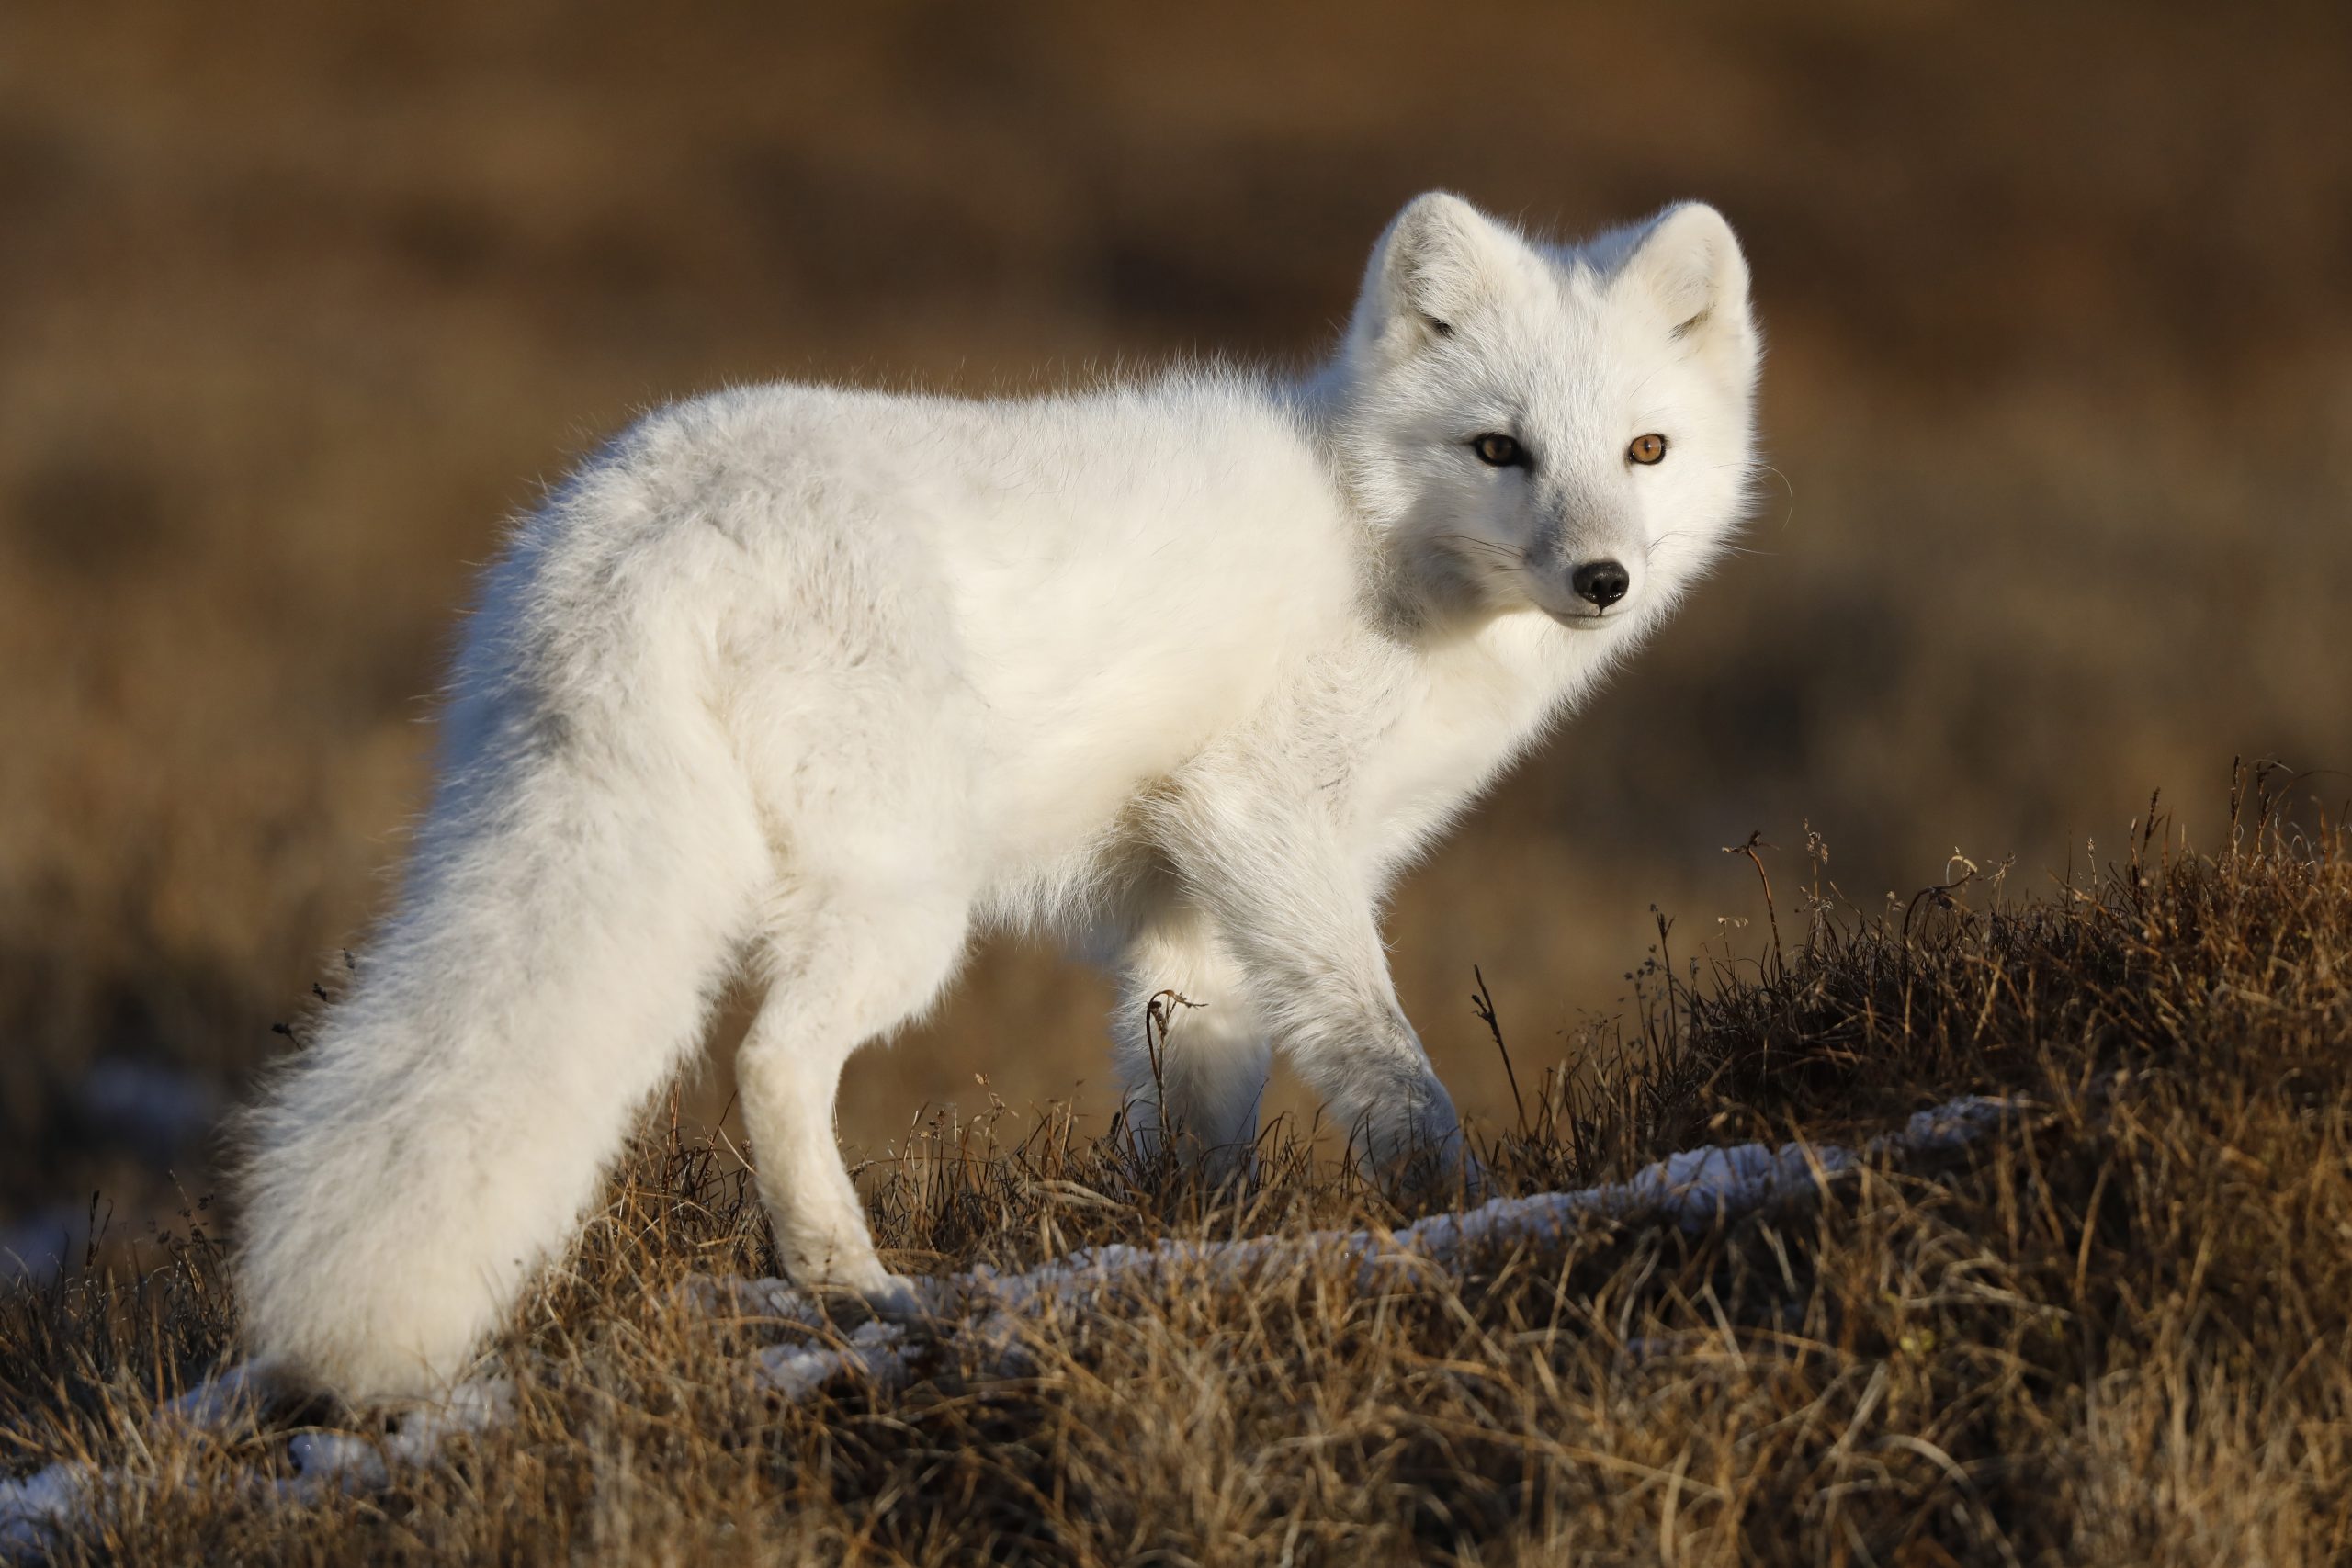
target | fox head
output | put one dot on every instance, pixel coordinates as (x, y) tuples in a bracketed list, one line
[(1563, 429)]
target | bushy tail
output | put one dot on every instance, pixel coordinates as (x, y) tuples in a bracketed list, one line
[(572, 905)]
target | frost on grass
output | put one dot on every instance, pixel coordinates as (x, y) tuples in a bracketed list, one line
[(34, 1508), (1695, 1189)]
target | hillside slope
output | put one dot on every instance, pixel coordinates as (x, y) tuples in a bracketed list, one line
[(2101, 1314)]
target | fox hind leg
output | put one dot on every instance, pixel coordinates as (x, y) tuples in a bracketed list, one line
[(845, 967)]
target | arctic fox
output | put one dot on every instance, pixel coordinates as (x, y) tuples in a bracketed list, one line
[(821, 680)]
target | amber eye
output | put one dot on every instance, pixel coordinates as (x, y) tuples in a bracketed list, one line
[(1499, 451), (1646, 449)]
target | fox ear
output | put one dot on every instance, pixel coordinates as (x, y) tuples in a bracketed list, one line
[(1689, 262), (1436, 262)]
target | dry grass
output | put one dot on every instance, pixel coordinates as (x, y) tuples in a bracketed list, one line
[(2120, 1331)]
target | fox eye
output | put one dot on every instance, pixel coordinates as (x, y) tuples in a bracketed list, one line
[(1499, 451), (1646, 449)]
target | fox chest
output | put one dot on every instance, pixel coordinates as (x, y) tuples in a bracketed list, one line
[(1440, 743)]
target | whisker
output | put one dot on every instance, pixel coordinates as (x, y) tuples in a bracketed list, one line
[(1501, 552), (1786, 485), (1725, 545)]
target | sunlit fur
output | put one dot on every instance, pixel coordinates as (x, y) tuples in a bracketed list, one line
[(822, 680)]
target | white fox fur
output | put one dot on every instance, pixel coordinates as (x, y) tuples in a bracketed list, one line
[(825, 680)]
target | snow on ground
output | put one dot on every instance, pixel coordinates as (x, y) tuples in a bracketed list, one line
[(46, 1501), (1696, 1188)]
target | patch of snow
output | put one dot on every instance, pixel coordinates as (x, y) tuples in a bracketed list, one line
[(219, 1400), (1697, 1188), (877, 1349), (1954, 1122), (356, 1463), (342, 1460), (34, 1507)]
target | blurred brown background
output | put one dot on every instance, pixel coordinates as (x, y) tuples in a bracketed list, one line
[(296, 303)]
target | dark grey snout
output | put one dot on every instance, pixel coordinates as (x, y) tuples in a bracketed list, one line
[(1601, 582)]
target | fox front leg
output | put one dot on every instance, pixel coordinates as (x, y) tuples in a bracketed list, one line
[(1263, 857)]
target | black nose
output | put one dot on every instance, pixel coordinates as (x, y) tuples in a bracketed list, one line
[(1603, 581)]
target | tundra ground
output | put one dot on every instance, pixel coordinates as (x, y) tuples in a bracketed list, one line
[(2115, 1326)]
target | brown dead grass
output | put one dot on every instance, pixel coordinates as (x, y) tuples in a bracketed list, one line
[(2118, 1332)]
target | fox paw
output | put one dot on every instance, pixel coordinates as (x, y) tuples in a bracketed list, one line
[(875, 1293), (896, 1298)]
